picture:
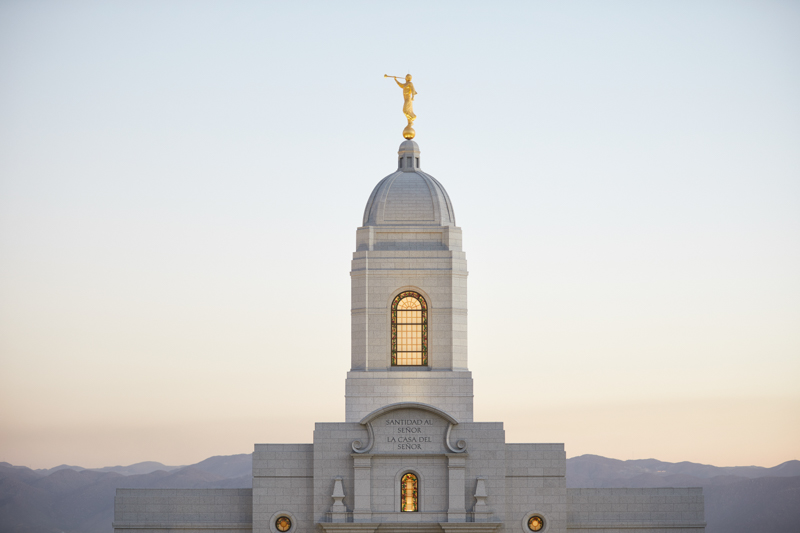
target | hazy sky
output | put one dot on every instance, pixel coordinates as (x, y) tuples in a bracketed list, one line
[(180, 185)]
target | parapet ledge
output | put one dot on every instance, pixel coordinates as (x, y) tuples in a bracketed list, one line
[(182, 525), (410, 527)]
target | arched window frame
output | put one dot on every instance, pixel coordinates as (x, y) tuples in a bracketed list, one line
[(424, 324), (404, 493)]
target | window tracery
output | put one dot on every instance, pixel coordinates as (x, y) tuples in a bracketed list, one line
[(409, 330)]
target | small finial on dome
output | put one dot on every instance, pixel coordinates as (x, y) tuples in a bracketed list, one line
[(408, 156), (408, 104)]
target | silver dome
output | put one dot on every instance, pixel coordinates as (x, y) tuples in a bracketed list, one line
[(409, 197)]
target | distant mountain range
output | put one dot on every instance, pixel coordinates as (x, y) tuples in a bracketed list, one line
[(227, 466), (738, 498), (589, 471), (139, 468), (72, 499)]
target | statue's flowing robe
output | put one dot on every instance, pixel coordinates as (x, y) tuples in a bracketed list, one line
[(408, 104)]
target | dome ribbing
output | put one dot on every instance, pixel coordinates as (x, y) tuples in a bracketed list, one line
[(409, 197)]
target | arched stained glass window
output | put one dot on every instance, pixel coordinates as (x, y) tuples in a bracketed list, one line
[(409, 493), (409, 330)]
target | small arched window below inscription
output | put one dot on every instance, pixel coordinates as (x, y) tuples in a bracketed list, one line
[(409, 493)]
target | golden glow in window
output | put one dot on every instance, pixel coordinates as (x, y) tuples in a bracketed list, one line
[(535, 523), (408, 493), (283, 524), (409, 330)]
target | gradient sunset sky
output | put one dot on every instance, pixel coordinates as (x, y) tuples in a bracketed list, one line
[(180, 185)]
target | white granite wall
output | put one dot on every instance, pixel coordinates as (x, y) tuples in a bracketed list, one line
[(432, 476), (332, 458), (449, 391), (536, 483), (283, 481), (484, 458), (377, 276), (391, 259), (408, 241), (662, 510), (189, 510)]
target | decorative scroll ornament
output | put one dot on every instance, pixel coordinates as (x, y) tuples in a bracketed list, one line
[(358, 447), (461, 445)]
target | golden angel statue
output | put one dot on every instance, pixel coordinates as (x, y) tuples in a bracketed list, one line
[(408, 103)]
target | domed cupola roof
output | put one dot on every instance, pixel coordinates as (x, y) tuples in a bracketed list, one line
[(409, 197)]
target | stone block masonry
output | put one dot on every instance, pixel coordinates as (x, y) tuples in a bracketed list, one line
[(663, 510), (187, 510)]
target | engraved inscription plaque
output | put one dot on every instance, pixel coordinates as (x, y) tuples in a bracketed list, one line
[(409, 431)]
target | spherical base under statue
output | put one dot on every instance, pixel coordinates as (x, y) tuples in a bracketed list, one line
[(409, 132)]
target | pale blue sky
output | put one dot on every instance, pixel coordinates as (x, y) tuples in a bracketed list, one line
[(180, 185)]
